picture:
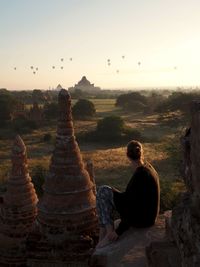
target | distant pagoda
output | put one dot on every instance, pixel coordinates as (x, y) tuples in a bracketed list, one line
[(18, 210), (84, 82), (85, 86), (59, 87), (67, 211)]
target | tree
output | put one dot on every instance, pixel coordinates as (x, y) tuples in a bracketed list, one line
[(123, 99), (51, 110), (134, 106), (38, 96), (23, 125), (6, 107), (78, 93), (178, 101), (110, 127), (132, 102), (83, 109)]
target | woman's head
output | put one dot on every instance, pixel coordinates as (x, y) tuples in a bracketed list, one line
[(134, 150)]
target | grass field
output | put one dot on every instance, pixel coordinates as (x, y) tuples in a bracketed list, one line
[(110, 163)]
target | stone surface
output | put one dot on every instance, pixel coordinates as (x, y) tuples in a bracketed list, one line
[(129, 250), (18, 209), (163, 254)]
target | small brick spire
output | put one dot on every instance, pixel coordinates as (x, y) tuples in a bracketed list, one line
[(18, 210)]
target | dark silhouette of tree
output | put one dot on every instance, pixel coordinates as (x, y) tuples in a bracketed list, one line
[(78, 94), (38, 96), (7, 103), (51, 110), (83, 109), (178, 101), (133, 102), (110, 127)]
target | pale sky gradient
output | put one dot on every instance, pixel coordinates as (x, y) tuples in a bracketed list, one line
[(160, 34)]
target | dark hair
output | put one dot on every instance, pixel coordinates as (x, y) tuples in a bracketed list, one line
[(134, 150)]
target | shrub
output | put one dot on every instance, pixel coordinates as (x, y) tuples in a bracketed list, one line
[(24, 125), (110, 127), (7, 103), (170, 192), (83, 109), (132, 102), (178, 101), (134, 106), (131, 134), (51, 111), (123, 99)]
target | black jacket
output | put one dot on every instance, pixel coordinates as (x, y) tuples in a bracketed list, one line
[(139, 205)]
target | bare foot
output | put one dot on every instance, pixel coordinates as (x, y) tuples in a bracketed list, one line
[(104, 242)]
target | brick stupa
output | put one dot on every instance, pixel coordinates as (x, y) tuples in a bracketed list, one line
[(67, 211), (18, 210)]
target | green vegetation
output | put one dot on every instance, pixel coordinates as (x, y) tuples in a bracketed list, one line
[(178, 101), (7, 103), (51, 110), (83, 108), (110, 130), (132, 102), (110, 127), (23, 125)]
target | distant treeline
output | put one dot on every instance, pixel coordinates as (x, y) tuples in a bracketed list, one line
[(156, 102), (28, 108)]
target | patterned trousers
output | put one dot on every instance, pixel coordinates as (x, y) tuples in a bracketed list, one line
[(105, 205)]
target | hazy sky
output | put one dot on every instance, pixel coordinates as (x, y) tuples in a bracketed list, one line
[(163, 35)]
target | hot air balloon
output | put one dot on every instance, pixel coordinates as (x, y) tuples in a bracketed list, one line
[(108, 60), (31, 67), (109, 64), (15, 68), (36, 68), (61, 67), (123, 57), (62, 59), (139, 63), (34, 72), (53, 67), (70, 58)]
